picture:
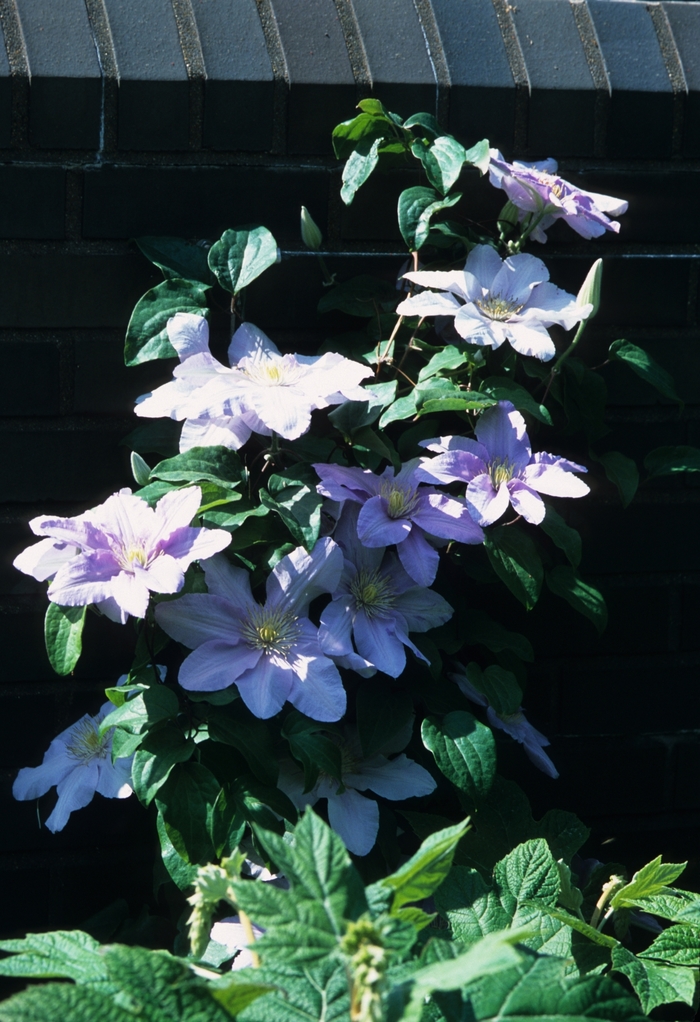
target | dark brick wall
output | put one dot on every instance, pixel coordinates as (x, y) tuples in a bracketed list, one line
[(120, 118)]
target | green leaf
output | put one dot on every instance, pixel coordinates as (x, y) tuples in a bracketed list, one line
[(528, 872), (479, 155), (585, 598), (423, 120), (186, 802), (159, 751), (64, 1002), (359, 296), (181, 871), (312, 748), (413, 202), (237, 727), (402, 408), (503, 389), (358, 168), (650, 879), (177, 258), (149, 707), (370, 125), (584, 396), (673, 903), (425, 871), (622, 472), (236, 994), (241, 255), (318, 990), (562, 535), (577, 924), (294, 496), (500, 687), (146, 334), (464, 750), (449, 358), (645, 367), (678, 945), (478, 627), (213, 464), (654, 984), (70, 954), (354, 415), (63, 635), (443, 162), (382, 713), (470, 906), (666, 461), (515, 560)]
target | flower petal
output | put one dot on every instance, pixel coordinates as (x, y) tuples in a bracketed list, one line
[(197, 618), (217, 665), (526, 502), (267, 686), (75, 791), (317, 689), (355, 819), (375, 528), (188, 334), (395, 779), (377, 642), (419, 558), (489, 503), (301, 576), (43, 559), (448, 518)]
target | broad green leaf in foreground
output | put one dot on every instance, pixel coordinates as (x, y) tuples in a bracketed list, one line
[(645, 367), (71, 954), (424, 872), (654, 984), (650, 879)]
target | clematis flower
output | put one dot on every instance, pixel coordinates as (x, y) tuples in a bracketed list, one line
[(374, 607), (231, 934), (78, 762), (495, 300), (355, 817), (397, 509), (263, 391), (536, 188), (500, 468), (514, 724), (271, 652), (119, 552)]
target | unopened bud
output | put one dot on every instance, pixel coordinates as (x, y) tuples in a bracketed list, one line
[(590, 289), (140, 469), (509, 214), (310, 232)]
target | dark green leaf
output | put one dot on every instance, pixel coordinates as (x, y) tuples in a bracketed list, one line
[(424, 872), (479, 627), (584, 395), (215, 464), (654, 984), (504, 389), (238, 728), (500, 687), (514, 558), (236, 994), (470, 906), (186, 801), (402, 408), (650, 879), (645, 367), (679, 945), (528, 872), (70, 954), (358, 168), (423, 120), (443, 162), (360, 296), (61, 1001), (370, 125), (449, 358), (413, 202), (431, 400), (479, 155), (382, 713), (293, 495), (178, 258), (464, 750), (584, 598), (146, 334), (370, 440), (159, 751), (622, 472), (562, 535), (241, 255), (303, 993), (666, 461), (180, 870), (63, 635), (353, 415), (312, 748), (149, 707)]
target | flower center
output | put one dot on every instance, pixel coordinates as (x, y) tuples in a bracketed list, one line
[(86, 743), (501, 471), (272, 631), (372, 592), (272, 370), (401, 500), (498, 308), (134, 555)]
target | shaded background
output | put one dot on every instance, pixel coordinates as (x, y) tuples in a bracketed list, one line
[(120, 118)]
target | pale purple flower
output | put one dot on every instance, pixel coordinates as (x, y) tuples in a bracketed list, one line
[(397, 509), (355, 817), (495, 300), (231, 933), (500, 468), (263, 391), (271, 652), (374, 607), (79, 763), (536, 188), (115, 555), (514, 724)]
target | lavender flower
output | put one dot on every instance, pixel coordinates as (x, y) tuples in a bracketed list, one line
[(119, 552), (514, 724), (495, 300), (263, 391), (374, 607), (536, 188), (79, 763), (270, 653), (354, 817), (396, 509), (500, 468)]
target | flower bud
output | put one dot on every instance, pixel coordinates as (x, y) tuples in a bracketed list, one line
[(140, 469), (590, 289), (310, 233)]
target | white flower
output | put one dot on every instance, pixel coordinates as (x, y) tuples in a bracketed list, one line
[(231, 933), (79, 763), (354, 817), (263, 391)]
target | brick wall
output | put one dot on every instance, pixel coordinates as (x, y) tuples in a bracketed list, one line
[(120, 118)]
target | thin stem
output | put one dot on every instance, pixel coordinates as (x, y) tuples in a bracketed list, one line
[(328, 277), (249, 936)]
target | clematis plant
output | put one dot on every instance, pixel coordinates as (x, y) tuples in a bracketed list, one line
[(263, 391), (494, 300), (272, 652), (500, 469), (117, 554)]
